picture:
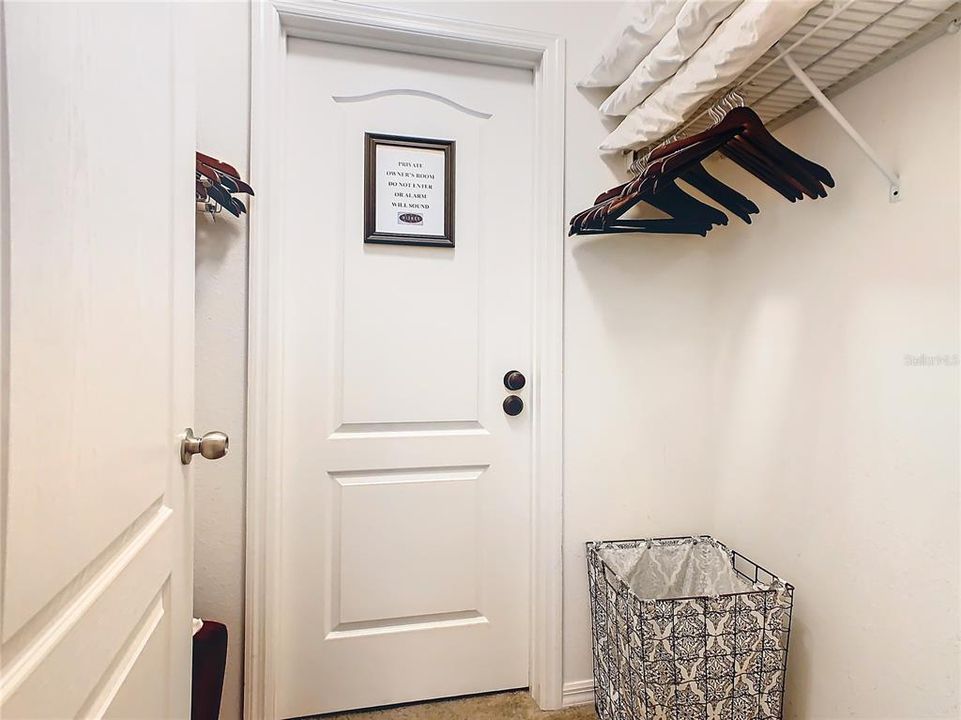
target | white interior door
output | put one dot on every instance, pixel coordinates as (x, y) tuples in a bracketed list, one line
[(97, 361), (406, 488)]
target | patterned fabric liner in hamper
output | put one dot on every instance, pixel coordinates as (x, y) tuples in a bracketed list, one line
[(686, 629)]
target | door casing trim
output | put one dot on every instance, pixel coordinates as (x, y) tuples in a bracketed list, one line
[(272, 22)]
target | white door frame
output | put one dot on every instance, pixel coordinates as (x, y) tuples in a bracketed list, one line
[(273, 22)]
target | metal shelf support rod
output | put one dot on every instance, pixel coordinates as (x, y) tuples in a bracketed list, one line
[(894, 193)]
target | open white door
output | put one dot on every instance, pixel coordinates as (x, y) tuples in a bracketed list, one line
[(97, 360)]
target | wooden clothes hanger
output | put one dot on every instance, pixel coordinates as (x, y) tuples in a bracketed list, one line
[(738, 134), (216, 181), (614, 203), (730, 199)]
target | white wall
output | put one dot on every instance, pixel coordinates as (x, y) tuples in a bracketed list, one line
[(836, 463)]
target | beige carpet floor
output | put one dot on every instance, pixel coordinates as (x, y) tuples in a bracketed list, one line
[(499, 706)]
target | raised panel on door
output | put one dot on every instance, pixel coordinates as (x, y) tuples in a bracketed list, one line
[(77, 670), (430, 567), (406, 498), (99, 356)]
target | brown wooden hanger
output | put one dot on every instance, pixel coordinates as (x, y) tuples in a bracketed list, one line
[(741, 136), (216, 182)]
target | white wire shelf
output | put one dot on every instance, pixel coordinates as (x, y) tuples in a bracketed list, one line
[(848, 42)]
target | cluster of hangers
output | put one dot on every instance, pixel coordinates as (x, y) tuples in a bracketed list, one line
[(738, 134), (216, 183)]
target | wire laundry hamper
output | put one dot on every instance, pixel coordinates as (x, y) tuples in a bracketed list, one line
[(686, 629)]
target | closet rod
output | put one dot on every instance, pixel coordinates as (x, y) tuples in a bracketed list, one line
[(894, 192)]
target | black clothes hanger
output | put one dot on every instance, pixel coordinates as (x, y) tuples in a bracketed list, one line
[(746, 158), (732, 200), (750, 145), (658, 226), (668, 167), (216, 182), (764, 172), (678, 204), (655, 178), (741, 136), (688, 215), (785, 162)]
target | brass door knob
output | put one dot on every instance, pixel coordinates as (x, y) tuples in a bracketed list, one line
[(212, 445)]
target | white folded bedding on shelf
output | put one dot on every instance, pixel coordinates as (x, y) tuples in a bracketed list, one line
[(740, 40), (705, 46), (695, 23), (639, 27)]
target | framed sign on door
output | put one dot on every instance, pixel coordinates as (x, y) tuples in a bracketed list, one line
[(408, 190)]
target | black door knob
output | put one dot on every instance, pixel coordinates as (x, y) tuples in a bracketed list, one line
[(513, 405), (514, 380)]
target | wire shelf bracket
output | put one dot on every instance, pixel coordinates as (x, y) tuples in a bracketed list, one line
[(894, 185)]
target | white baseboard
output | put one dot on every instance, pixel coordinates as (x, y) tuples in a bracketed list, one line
[(579, 692)]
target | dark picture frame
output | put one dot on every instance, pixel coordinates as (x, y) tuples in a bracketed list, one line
[(397, 237)]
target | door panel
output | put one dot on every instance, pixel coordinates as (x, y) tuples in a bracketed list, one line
[(75, 675), (406, 488), (425, 296), (379, 548), (98, 241)]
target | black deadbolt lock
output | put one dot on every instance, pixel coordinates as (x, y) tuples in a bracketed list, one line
[(514, 380), (513, 405)]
